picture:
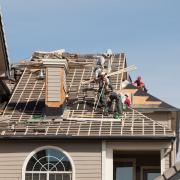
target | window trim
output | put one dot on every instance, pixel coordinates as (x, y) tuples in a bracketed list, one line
[(148, 168), (133, 160), (43, 148)]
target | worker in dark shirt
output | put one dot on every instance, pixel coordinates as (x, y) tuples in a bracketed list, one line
[(119, 106), (104, 88)]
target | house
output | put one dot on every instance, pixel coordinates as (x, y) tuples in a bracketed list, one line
[(52, 126), (4, 66)]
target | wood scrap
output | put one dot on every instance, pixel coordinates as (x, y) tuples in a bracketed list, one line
[(130, 68)]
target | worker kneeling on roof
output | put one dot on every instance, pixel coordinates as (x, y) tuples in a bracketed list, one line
[(127, 101), (140, 84)]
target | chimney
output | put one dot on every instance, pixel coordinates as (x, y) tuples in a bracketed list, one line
[(55, 91)]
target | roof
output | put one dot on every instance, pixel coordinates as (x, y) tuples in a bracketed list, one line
[(172, 173), (24, 114), (4, 68), (150, 102)]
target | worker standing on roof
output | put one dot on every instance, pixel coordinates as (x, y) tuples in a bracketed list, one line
[(119, 105), (140, 84), (104, 85), (104, 81), (99, 65)]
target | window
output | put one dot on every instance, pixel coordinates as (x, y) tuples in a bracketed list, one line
[(150, 172), (48, 164), (124, 169)]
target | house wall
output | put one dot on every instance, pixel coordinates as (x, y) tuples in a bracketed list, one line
[(85, 155), (164, 148), (165, 118)]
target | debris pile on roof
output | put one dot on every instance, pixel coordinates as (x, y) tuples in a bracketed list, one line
[(47, 55)]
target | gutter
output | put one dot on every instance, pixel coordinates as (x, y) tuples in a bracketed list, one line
[(151, 110), (64, 137)]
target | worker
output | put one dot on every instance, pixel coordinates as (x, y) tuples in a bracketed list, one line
[(119, 106), (140, 84), (99, 65), (104, 86), (127, 101), (109, 53), (104, 81)]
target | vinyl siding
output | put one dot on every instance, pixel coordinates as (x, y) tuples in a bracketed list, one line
[(86, 158), (161, 117)]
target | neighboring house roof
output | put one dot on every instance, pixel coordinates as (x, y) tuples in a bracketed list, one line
[(24, 114), (151, 102), (172, 173), (4, 67)]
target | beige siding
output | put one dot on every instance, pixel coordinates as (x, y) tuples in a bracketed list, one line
[(167, 165), (86, 157), (161, 117)]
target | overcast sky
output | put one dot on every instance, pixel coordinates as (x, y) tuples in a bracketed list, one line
[(148, 31)]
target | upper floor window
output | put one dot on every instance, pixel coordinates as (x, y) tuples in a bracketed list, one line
[(48, 164)]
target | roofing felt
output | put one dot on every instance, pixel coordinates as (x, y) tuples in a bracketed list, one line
[(163, 104), (24, 114)]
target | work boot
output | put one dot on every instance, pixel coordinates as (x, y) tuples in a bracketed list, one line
[(116, 116), (106, 111)]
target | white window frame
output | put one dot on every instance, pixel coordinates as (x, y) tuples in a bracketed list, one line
[(133, 160), (43, 148), (109, 147), (148, 168)]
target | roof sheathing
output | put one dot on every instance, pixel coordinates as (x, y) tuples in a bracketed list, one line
[(24, 112)]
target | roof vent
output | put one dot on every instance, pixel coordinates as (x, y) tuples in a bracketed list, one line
[(40, 75)]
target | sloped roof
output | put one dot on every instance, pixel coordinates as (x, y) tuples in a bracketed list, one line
[(172, 173), (24, 114), (151, 102), (4, 67)]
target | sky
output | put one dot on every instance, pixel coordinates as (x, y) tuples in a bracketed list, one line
[(147, 31)]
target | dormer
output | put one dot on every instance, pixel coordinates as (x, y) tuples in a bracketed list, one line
[(55, 86)]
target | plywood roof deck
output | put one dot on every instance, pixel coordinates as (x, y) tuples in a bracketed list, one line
[(24, 114)]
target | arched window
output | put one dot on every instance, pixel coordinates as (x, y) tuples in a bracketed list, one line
[(48, 164)]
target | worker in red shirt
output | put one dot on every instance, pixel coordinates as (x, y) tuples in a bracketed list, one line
[(140, 84), (127, 101)]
